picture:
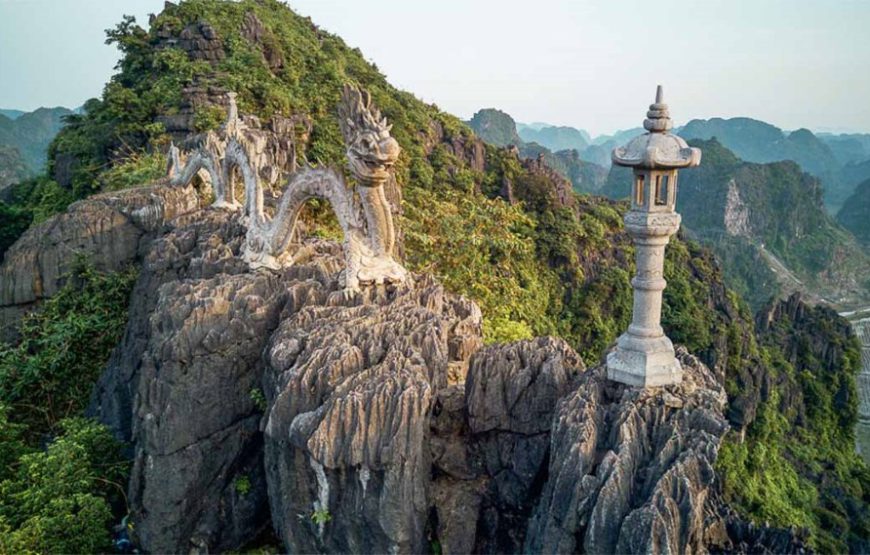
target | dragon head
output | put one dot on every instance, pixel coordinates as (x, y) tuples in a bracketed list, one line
[(371, 151)]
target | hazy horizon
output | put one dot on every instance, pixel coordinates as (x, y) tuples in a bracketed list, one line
[(590, 65)]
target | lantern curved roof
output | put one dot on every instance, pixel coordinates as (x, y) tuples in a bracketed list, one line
[(657, 148)]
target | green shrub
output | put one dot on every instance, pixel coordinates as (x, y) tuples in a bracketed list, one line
[(14, 220), (136, 170), (59, 500), (63, 347), (242, 485), (797, 464), (484, 249)]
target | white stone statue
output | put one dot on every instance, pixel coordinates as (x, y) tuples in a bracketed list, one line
[(365, 217), (644, 355), (218, 153), (364, 213)]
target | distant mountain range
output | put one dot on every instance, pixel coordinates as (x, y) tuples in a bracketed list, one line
[(559, 147), (767, 224), (12, 114), (763, 198), (825, 156), (855, 214), (841, 161), (31, 132), (24, 140), (555, 137)]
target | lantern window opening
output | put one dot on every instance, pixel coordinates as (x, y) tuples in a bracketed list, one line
[(639, 189), (662, 193)]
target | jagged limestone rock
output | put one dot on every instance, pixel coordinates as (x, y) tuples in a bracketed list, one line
[(186, 370), (386, 423), (350, 389), (510, 395), (631, 470), (110, 230), (201, 245)]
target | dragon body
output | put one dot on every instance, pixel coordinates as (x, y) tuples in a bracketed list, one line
[(363, 213)]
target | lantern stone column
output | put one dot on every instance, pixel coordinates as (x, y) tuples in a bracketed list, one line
[(644, 356)]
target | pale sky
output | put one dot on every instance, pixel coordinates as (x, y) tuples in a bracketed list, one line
[(591, 64)]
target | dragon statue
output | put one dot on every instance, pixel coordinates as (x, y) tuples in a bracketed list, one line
[(363, 212), (233, 146)]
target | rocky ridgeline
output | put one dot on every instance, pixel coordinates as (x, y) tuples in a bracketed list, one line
[(369, 423), (111, 229)]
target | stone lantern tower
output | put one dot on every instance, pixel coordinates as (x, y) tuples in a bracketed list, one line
[(644, 355)]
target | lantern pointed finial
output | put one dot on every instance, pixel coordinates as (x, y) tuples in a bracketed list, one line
[(658, 118), (657, 148)]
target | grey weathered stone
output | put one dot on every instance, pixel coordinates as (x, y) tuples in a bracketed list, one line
[(204, 244), (350, 388), (511, 393), (110, 230), (196, 427), (630, 472), (186, 369)]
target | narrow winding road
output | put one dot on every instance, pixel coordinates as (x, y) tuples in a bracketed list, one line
[(860, 320)]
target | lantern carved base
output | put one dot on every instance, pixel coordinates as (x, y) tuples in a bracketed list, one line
[(644, 361)]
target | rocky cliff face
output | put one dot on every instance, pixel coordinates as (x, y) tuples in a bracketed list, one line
[(632, 470), (111, 230), (374, 423), (855, 214)]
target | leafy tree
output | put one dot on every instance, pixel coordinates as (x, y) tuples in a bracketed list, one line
[(59, 500), (49, 373), (13, 221)]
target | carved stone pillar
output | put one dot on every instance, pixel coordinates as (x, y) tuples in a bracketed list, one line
[(644, 355)]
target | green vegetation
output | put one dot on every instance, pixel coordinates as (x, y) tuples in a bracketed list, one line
[(14, 221), (797, 465), (136, 169), (242, 485), (60, 498), (484, 249), (32, 202), (48, 374), (546, 265), (259, 399), (321, 516)]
